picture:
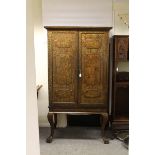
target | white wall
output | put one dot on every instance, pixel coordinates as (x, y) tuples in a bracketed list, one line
[(120, 7), (32, 130), (77, 12), (68, 12), (40, 41)]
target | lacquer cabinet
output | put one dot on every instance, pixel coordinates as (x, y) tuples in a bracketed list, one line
[(78, 72)]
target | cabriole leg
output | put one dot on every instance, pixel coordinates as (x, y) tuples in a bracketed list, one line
[(104, 120), (55, 120), (50, 119)]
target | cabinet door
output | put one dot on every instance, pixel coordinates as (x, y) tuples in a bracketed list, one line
[(62, 69), (122, 47), (121, 102), (93, 67)]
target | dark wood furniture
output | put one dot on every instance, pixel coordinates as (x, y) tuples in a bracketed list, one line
[(120, 89), (78, 72)]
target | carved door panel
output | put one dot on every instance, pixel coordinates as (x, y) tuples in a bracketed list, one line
[(93, 67), (122, 48), (63, 47)]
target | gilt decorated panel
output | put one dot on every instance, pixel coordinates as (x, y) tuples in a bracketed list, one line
[(63, 61), (93, 64)]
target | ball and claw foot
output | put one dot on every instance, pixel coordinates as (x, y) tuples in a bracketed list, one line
[(49, 139)]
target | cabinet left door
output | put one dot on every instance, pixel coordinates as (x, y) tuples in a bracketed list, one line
[(62, 66)]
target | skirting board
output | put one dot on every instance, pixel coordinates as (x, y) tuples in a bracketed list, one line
[(61, 121), (44, 125), (48, 125)]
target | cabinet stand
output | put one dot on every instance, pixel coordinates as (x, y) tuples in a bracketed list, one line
[(52, 116)]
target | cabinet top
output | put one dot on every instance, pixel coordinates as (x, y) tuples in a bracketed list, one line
[(77, 28)]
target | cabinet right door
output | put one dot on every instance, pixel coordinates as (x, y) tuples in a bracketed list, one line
[(93, 67)]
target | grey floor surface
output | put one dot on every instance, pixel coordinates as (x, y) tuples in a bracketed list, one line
[(79, 141)]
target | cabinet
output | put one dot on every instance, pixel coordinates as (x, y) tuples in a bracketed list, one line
[(78, 72), (120, 85)]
